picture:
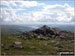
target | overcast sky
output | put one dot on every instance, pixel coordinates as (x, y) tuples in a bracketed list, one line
[(34, 12)]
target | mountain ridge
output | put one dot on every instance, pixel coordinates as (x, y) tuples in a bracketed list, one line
[(14, 29)]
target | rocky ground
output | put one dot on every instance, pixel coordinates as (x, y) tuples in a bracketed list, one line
[(41, 41)]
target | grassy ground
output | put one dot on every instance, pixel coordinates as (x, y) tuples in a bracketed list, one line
[(40, 46)]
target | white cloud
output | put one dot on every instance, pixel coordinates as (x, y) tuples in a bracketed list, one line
[(49, 13), (63, 13), (30, 3)]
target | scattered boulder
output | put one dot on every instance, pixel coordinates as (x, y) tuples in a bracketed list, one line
[(39, 52), (45, 44), (72, 41), (19, 47), (53, 41), (33, 47), (38, 37), (48, 35), (53, 36), (62, 36), (17, 43)]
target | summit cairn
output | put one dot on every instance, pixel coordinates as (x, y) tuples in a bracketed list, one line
[(43, 32)]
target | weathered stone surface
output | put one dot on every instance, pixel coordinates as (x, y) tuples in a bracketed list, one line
[(17, 43)]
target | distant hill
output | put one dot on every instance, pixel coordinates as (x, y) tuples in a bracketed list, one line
[(13, 29), (66, 27)]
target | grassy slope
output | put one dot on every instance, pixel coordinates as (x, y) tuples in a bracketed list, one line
[(8, 40)]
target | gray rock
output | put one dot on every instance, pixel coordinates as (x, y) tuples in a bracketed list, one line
[(19, 47), (62, 36), (18, 43), (33, 47), (39, 52)]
